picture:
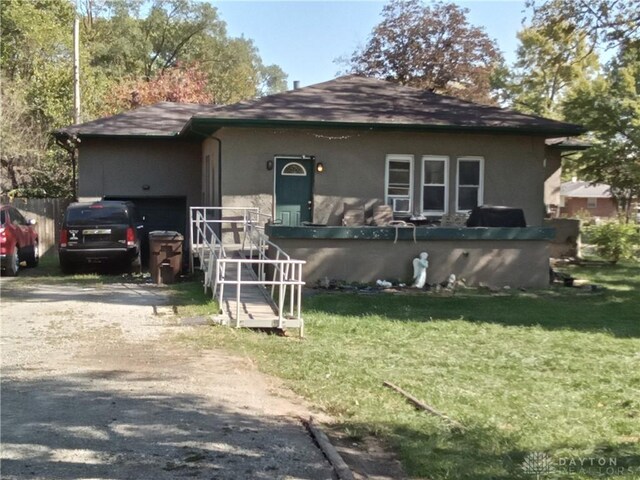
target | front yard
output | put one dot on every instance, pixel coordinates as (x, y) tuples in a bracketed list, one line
[(554, 372)]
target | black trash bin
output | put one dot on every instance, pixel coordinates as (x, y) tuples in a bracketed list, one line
[(165, 255)]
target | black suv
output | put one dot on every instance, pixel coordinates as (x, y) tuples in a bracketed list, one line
[(105, 232)]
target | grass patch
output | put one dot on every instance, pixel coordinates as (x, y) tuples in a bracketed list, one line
[(48, 272), (555, 371), (190, 298)]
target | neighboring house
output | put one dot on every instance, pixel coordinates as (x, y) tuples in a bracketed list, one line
[(579, 197), (305, 155)]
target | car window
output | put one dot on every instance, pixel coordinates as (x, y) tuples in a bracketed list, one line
[(17, 217), (101, 215), (3, 217)]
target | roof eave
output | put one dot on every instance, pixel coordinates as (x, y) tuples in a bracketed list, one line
[(65, 134), (216, 123), (569, 148)]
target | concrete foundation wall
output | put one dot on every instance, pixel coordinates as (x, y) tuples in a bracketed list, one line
[(514, 166), (567, 239), (497, 263)]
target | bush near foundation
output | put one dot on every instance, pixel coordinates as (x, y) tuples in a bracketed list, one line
[(615, 241)]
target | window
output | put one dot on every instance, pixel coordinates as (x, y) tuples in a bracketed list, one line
[(469, 189), (435, 178), (592, 202), (399, 183), (17, 218), (294, 169)]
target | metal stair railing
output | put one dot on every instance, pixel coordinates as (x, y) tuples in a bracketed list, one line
[(276, 273)]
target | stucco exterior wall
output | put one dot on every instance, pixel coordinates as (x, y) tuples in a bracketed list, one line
[(120, 167), (553, 177), (514, 166), (497, 263)]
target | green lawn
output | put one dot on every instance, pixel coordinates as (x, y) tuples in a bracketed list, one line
[(555, 371)]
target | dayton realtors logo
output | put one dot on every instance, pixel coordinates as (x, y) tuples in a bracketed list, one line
[(540, 464)]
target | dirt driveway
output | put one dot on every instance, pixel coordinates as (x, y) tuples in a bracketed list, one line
[(94, 385)]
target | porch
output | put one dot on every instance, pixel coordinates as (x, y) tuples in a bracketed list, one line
[(515, 257)]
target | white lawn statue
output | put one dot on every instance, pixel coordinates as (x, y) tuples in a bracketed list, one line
[(420, 266)]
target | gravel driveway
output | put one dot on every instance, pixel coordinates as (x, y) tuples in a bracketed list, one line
[(95, 386)]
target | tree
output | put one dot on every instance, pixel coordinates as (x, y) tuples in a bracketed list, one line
[(23, 142), (186, 84), (175, 33), (609, 106), (28, 165), (551, 59), (170, 28), (272, 80), (176, 50), (603, 22), (430, 47)]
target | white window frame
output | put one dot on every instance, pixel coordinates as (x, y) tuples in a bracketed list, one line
[(592, 203), (433, 158), (398, 158), (481, 179)]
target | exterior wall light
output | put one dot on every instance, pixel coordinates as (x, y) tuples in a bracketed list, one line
[(146, 187), (269, 165), (319, 167)]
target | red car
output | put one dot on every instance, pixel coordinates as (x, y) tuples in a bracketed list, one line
[(18, 241)]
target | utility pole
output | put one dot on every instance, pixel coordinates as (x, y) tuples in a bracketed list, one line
[(76, 69), (76, 96)]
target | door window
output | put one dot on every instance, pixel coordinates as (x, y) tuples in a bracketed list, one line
[(294, 169)]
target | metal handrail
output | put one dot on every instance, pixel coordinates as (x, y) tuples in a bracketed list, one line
[(282, 273)]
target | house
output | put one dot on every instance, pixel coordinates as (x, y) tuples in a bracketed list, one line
[(306, 155), (584, 198)]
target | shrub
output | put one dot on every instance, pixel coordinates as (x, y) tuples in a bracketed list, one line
[(614, 240)]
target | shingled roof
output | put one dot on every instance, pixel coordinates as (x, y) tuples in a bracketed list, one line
[(582, 189), (346, 102), (164, 119), (366, 102)]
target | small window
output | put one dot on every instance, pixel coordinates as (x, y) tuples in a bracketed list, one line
[(592, 203), (294, 169), (435, 178), (399, 182), (470, 183)]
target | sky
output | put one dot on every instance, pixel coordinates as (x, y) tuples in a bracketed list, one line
[(305, 38)]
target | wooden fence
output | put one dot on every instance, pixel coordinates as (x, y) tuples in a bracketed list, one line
[(48, 213)]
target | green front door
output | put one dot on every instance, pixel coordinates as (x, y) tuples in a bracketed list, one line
[(294, 190)]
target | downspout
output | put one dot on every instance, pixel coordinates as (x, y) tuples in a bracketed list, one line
[(218, 214)]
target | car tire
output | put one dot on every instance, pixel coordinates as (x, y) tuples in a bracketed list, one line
[(33, 255), (13, 264)]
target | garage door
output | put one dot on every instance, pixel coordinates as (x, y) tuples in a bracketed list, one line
[(160, 213)]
